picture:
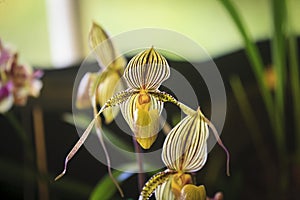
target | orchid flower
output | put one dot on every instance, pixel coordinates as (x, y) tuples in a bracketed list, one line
[(17, 81), (184, 152), (134, 102), (141, 105), (96, 88)]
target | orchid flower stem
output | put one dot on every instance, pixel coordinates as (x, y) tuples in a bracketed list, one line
[(21, 133), (139, 158), (28, 151), (40, 146), (100, 136)]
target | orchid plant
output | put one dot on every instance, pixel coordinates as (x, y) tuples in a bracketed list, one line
[(141, 104), (17, 81)]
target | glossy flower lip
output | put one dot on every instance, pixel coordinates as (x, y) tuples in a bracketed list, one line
[(185, 147), (193, 192), (183, 189), (142, 118)]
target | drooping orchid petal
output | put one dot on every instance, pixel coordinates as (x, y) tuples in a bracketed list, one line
[(165, 97), (185, 147), (147, 70), (114, 101)]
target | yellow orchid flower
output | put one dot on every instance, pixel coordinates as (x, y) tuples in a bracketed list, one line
[(144, 74), (96, 88), (184, 151), (179, 187), (140, 103)]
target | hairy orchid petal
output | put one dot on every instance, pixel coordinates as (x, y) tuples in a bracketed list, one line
[(153, 183), (105, 53), (185, 147), (143, 117), (165, 97), (147, 70), (192, 192), (164, 191)]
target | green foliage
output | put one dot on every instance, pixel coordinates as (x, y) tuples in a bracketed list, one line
[(284, 59)]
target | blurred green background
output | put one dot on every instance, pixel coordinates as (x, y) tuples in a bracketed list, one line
[(23, 23)]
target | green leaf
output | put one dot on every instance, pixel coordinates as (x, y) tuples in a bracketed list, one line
[(258, 69), (106, 189), (253, 56), (279, 61)]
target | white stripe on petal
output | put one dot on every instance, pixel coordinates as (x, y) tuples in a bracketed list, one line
[(147, 70), (185, 147)]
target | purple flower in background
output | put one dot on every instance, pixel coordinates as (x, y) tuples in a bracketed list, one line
[(4, 55), (17, 81)]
